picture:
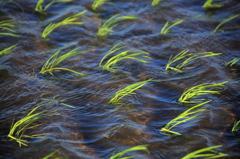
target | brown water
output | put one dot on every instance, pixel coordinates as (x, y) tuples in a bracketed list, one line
[(95, 129)]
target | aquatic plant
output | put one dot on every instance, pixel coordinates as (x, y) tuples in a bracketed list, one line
[(6, 51), (189, 114), (98, 3), (232, 62), (6, 25), (54, 60), (209, 4), (155, 2), (168, 25), (201, 89), (67, 21), (51, 154), (189, 58), (39, 7), (224, 21), (236, 126), (18, 128), (133, 54), (129, 90), (135, 148), (207, 153), (107, 27)]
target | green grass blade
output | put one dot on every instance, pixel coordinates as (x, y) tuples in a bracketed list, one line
[(97, 3), (225, 21), (51, 154), (166, 28), (155, 2), (209, 4), (6, 51), (232, 62), (236, 126)]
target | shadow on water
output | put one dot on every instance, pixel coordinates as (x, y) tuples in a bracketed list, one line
[(94, 128)]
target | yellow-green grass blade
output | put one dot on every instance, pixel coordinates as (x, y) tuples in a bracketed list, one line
[(209, 4), (207, 152), (51, 154), (225, 21), (97, 3), (155, 2), (201, 89), (7, 50), (236, 126), (166, 28), (232, 62), (135, 148)]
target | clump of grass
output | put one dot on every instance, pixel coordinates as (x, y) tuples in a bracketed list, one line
[(67, 21), (223, 22), (97, 3), (189, 57), (17, 130), (209, 4), (129, 90), (168, 25), (207, 153), (135, 148), (7, 50), (189, 114), (236, 126), (155, 2), (201, 89), (7, 25), (39, 6), (55, 59), (133, 54), (107, 27), (232, 62)]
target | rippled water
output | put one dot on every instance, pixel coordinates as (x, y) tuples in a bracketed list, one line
[(94, 128)]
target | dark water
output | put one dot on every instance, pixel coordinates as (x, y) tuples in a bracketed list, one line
[(95, 129)]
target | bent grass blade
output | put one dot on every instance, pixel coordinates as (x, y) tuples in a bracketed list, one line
[(18, 128), (168, 25), (107, 27), (201, 89), (236, 126), (223, 22), (209, 4), (207, 152), (189, 57), (7, 50), (54, 60), (189, 114), (155, 2), (97, 3), (129, 90), (135, 148), (134, 54), (232, 62), (67, 21), (7, 25)]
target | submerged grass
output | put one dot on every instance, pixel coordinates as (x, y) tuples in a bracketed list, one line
[(18, 128), (7, 50), (128, 54), (209, 4), (189, 114), (155, 2), (189, 57), (7, 25), (168, 25), (129, 90), (223, 22), (39, 6), (55, 59), (97, 3), (207, 153), (236, 126), (67, 21), (135, 148), (232, 62), (201, 89), (107, 27)]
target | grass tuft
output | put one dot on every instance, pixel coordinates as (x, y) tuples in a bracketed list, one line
[(97, 3), (128, 54), (168, 25), (207, 153), (107, 27), (55, 59), (201, 89), (155, 2), (18, 128), (236, 126), (135, 148), (209, 4), (7, 50), (7, 25), (129, 90), (189, 114), (67, 21), (39, 6), (232, 62), (223, 22), (189, 57)]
